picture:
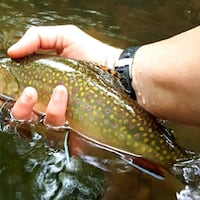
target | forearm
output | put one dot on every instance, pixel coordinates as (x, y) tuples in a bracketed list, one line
[(166, 77)]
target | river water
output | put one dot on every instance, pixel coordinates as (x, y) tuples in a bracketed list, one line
[(28, 168)]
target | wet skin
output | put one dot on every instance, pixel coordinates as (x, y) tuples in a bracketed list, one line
[(98, 107)]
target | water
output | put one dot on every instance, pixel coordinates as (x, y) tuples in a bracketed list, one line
[(28, 168)]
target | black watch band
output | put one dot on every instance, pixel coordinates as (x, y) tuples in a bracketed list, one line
[(123, 67)]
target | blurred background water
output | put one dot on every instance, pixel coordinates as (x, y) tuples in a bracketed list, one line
[(28, 168)]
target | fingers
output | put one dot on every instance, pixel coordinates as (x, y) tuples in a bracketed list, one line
[(56, 38), (68, 41), (24, 105), (56, 109), (29, 43), (36, 38)]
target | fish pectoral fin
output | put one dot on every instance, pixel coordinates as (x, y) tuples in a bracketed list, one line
[(144, 165), (135, 161)]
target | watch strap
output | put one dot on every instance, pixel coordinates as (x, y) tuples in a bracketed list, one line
[(123, 67)]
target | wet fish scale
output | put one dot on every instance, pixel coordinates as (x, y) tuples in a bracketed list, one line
[(98, 107)]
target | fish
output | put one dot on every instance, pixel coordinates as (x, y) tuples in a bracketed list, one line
[(99, 109)]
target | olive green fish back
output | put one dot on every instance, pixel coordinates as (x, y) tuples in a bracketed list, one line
[(98, 106)]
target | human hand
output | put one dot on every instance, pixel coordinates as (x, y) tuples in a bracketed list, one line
[(68, 41), (56, 109)]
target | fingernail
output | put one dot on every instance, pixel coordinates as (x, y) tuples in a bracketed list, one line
[(59, 93), (28, 94), (10, 49), (13, 50), (13, 47)]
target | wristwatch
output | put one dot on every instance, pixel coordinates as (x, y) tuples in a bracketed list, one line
[(123, 67)]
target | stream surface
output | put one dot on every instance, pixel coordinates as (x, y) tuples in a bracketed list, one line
[(28, 168)]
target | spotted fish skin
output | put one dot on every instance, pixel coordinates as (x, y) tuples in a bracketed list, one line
[(98, 106)]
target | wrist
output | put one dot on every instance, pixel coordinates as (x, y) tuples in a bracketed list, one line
[(152, 81), (112, 55), (143, 72)]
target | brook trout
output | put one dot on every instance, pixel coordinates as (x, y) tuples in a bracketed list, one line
[(99, 109)]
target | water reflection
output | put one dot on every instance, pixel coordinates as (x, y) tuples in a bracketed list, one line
[(23, 162), (139, 22), (40, 172), (32, 171), (79, 181)]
